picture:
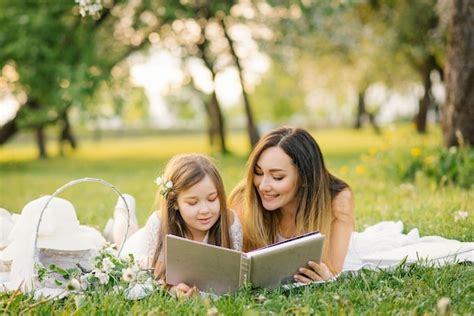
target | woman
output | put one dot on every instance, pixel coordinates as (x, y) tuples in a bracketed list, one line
[(288, 192)]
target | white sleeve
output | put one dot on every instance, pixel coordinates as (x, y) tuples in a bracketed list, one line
[(236, 233), (142, 245), (153, 234)]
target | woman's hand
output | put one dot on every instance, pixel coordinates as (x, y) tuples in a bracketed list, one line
[(182, 290), (313, 272)]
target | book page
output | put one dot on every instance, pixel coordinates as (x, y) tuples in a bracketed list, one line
[(273, 266)]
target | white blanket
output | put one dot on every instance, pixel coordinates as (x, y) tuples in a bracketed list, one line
[(384, 245)]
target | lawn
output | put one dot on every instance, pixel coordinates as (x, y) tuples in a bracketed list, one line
[(132, 163)]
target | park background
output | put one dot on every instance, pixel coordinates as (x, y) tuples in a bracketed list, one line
[(113, 89)]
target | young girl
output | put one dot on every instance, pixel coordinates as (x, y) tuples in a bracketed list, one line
[(191, 203)]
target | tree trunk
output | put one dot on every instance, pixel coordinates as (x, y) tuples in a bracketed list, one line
[(41, 142), (216, 129), (251, 128), (219, 122), (67, 135), (360, 109), (458, 113), (362, 113), (424, 103), (8, 130), (210, 124)]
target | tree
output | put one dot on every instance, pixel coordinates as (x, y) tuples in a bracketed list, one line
[(418, 35), (251, 127), (458, 112), (62, 59)]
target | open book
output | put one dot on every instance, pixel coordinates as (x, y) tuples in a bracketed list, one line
[(221, 270)]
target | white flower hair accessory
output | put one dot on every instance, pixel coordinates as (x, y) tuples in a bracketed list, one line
[(164, 184)]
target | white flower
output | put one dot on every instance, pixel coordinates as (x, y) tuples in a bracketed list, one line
[(212, 311), (443, 305), (461, 215), (103, 277), (138, 291), (107, 265), (159, 181), (129, 275), (261, 298), (169, 184), (85, 281), (73, 285)]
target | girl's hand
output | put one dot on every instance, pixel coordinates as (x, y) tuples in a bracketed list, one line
[(182, 290), (314, 272)]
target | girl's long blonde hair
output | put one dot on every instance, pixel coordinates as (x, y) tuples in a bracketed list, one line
[(184, 171), (316, 189)]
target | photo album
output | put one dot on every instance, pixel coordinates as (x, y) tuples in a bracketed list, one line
[(220, 270)]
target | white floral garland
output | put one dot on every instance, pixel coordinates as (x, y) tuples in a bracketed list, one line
[(108, 272)]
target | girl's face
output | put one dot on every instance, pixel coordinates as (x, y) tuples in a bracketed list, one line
[(276, 178), (200, 208)]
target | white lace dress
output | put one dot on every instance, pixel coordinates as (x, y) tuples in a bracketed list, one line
[(142, 244)]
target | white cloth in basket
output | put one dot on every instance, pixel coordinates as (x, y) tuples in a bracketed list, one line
[(142, 245)]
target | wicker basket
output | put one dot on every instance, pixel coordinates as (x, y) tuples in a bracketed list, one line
[(69, 259)]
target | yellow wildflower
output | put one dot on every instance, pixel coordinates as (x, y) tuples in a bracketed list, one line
[(343, 170), (415, 152), (373, 151), (360, 169)]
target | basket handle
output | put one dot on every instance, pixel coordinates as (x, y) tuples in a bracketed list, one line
[(74, 182)]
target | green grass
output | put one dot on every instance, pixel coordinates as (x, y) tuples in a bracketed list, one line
[(132, 164)]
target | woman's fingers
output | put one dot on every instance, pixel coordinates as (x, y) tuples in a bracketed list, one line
[(321, 269), (314, 272), (301, 278), (308, 273)]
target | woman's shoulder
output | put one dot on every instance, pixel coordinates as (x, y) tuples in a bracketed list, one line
[(343, 203)]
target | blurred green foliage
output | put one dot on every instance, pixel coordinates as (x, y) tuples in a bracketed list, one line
[(443, 166)]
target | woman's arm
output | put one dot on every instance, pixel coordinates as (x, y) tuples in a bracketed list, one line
[(341, 229)]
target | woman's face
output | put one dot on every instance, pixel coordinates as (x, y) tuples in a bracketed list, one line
[(200, 207), (276, 178)]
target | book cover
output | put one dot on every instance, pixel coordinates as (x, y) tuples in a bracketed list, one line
[(221, 270)]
